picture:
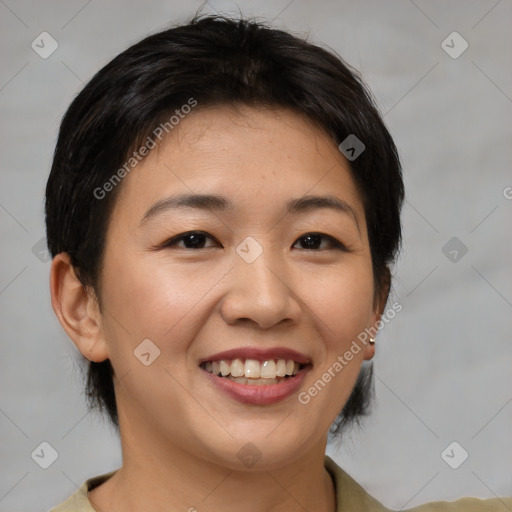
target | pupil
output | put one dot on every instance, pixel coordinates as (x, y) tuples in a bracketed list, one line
[(311, 241), (194, 240)]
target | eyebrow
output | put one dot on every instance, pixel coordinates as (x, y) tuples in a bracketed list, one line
[(216, 203)]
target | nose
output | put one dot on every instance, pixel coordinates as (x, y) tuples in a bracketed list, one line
[(260, 293)]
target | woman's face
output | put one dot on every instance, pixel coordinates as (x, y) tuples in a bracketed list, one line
[(255, 273)]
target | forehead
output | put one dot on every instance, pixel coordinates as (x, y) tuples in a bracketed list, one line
[(255, 156)]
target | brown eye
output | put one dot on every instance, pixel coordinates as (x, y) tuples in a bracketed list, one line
[(190, 240), (313, 241)]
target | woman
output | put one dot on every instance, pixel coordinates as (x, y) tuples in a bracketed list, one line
[(222, 211)]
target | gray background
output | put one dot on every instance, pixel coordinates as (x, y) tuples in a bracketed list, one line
[(443, 364)]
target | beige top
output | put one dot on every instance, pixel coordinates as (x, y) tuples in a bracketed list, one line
[(350, 497)]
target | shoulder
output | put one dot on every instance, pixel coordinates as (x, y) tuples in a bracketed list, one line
[(466, 505), (351, 496), (78, 501)]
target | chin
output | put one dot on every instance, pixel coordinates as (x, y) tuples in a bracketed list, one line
[(263, 445)]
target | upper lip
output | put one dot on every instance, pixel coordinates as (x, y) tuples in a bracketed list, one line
[(259, 354)]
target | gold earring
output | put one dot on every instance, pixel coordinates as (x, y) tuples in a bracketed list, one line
[(372, 340)]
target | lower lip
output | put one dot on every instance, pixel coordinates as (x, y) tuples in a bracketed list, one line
[(259, 395)]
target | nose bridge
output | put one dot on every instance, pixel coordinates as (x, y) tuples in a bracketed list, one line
[(259, 288), (259, 273), (263, 274)]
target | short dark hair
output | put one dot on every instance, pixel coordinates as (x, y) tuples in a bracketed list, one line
[(214, 60)]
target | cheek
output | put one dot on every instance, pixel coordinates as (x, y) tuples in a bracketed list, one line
[(341, 304), (342, 301), (166, 305), (151, 298)]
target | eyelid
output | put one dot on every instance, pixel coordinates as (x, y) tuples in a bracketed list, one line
[(172, 242), (335, 243)]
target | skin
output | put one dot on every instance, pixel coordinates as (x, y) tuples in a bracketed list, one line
[(180, 435)]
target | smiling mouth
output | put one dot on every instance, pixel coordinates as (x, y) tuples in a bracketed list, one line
[(254, 372)]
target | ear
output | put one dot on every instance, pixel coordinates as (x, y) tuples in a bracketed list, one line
[(77, 309), (379, 304)]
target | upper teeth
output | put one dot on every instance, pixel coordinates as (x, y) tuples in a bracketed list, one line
[(252, 368)]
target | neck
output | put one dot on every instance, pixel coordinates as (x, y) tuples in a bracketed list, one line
[(158, 479)]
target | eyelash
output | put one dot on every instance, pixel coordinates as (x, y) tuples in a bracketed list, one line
[(172, 242)]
